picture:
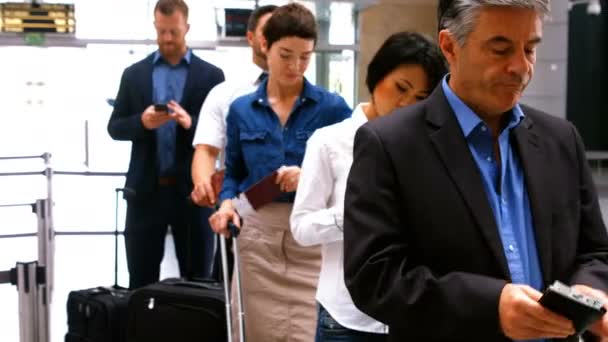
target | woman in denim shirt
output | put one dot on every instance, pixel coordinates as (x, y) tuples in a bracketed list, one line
[(267, 131)]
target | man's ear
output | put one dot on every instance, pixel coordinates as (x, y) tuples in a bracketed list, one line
[(264, 45), (448, 45), (250, 38)]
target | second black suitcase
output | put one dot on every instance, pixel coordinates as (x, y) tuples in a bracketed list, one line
[(178, 310), (97, 315)]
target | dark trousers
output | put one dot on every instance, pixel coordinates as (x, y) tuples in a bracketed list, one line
[(329, 330), (148, 218)]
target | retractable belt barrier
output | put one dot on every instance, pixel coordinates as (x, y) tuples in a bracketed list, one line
[(30, 279), (34, 280)]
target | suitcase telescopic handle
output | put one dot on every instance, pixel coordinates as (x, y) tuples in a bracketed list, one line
[(128, 192)]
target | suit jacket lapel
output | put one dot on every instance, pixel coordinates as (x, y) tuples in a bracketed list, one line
[(190, 81), (453, 150), (146, 79), (528, 148)]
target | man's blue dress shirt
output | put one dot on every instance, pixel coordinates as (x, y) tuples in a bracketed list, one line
[(504, 187), (168, 83), (257, 143)]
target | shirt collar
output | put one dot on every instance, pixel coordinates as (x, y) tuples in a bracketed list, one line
[(157, 58), (467, 118), (309, 92), (359, 118), (261, 78)]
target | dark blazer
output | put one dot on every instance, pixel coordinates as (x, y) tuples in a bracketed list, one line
[(422, 251), (134, 96)]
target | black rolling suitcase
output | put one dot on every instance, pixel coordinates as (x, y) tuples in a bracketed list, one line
[(99, 314), (184, 311), (178, 310)]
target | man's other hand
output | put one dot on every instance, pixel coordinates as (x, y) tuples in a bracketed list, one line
[(599, 328), (179, 114), (203, 194)]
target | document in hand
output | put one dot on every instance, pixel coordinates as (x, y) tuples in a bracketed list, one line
[(264, 191), (257, 195)]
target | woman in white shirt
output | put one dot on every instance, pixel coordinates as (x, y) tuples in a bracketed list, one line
[(406, 68)]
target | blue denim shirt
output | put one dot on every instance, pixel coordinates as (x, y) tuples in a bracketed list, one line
[(505, 189), (168, 83), (258, 144)]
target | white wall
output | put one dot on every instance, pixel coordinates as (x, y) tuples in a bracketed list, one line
[(548, 88)]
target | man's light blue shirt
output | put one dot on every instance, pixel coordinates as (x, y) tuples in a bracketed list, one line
[(168, 83), (505, 189)]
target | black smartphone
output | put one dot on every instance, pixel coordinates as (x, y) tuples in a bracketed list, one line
[(582, 310), (161, 108)]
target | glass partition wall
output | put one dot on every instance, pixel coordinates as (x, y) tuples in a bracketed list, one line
[(56, 99)]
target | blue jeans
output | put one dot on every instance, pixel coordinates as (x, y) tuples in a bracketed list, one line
[(328, 330)]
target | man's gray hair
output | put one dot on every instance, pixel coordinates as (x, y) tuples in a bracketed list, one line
[(459, 16)]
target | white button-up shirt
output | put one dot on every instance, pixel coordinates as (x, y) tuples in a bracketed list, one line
[(211, 126), (317, 216)]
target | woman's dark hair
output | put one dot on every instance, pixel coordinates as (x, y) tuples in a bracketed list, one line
[(292, 20), (406, 48), (258, 13)]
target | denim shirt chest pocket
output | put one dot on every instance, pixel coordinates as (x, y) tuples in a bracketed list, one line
[(256, 147)]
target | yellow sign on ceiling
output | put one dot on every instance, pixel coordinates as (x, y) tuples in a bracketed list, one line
[(34, 17)]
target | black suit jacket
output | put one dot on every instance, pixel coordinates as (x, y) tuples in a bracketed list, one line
[(134, 96), (422, 249)]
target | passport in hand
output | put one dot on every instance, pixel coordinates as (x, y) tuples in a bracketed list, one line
[(264, 191)]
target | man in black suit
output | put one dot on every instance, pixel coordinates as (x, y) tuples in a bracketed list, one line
[(162, 150), (461, 209)]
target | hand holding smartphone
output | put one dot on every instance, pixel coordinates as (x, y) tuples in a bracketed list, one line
[(581, 309)]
